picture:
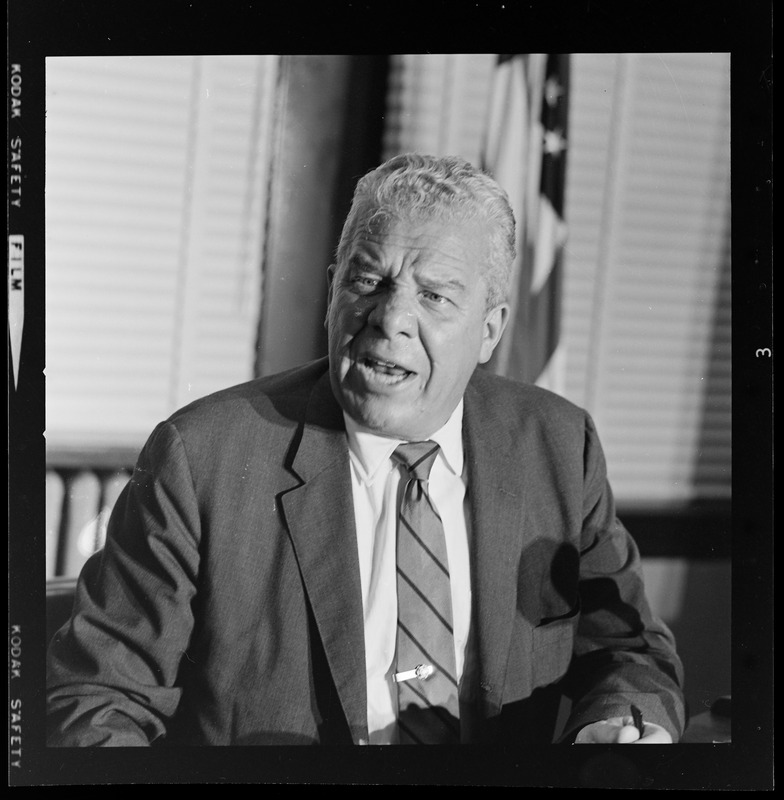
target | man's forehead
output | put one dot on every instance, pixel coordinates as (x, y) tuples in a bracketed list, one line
[(445, 258), (422, 234)]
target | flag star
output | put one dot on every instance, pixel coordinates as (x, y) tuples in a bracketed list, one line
[(554, 142), (553, 91)]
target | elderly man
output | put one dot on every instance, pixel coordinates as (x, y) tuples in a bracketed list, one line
[(388, 546)]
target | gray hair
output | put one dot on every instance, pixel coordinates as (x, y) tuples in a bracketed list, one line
[(421, 187)]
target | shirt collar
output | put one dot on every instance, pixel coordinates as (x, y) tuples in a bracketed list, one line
[(371, 452)]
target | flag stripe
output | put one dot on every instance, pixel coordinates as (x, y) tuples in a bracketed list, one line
[(526, 152)]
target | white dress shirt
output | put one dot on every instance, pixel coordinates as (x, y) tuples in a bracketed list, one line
[(375, 481)]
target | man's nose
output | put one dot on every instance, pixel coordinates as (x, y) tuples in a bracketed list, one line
[(394, 313)]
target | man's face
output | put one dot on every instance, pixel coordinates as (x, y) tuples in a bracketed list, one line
[(408, 324)]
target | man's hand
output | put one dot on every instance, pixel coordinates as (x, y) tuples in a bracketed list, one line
[(621, 730)]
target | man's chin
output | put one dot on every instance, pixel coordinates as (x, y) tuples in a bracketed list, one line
[(382, 419)]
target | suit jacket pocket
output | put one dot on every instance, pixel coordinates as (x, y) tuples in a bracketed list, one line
[(551, 649)]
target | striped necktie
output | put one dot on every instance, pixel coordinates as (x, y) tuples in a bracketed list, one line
[(425, 674)]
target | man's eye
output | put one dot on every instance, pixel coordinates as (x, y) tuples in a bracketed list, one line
[(434, 297), (364, 284)]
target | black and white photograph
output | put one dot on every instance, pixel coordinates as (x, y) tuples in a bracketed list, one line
[(360, 401)]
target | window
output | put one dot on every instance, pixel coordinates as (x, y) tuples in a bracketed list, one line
[(646, 298), (155, 205), (647, 301)]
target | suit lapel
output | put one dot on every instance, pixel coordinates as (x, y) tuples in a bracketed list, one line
[(320, 517), (494, 485)]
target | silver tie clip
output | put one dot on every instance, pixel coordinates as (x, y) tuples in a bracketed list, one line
[(421, 671)]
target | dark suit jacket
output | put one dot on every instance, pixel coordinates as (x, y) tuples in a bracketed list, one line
[(225, 607)]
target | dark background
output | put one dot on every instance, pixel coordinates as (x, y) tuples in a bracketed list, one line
[(62, 27)]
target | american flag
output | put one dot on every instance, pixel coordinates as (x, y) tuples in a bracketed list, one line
[(525, 150)]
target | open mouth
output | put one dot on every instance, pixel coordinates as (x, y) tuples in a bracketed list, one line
[(378, 369)]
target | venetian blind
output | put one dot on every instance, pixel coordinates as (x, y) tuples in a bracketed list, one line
[(155, 194), (646, 301), (646, 306), (438, 104)]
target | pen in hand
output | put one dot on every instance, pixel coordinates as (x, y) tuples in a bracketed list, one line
[(637, 718)]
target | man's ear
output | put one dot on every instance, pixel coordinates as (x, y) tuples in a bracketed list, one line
[(495, 323)]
